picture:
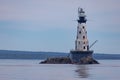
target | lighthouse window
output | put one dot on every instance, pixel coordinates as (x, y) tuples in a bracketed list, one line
[(79, 32), (84, 47), (87, 47), (83, 37), (83, 27)]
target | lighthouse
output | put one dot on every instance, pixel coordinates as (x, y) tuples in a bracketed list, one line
[(82, 53), (81, 43)]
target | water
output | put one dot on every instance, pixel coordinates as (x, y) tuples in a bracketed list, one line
[(32, 70)]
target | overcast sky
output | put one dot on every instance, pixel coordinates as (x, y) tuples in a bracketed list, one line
[(49, 25)]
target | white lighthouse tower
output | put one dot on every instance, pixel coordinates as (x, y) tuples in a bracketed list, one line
[(81, 43)]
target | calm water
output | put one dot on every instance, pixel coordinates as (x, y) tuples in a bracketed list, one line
[(32, 70)]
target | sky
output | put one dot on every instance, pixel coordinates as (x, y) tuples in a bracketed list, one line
[(50, 25)]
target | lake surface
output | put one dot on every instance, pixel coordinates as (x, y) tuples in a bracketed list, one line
[(32, 70)]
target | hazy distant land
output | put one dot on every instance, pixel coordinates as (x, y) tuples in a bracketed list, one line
[(9, 54)]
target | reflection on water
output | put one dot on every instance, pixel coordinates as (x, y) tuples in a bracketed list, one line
[(82, 71)]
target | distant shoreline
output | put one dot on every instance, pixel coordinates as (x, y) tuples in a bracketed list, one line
[(10, 54)]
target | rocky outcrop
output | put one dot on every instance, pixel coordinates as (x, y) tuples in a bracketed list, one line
[(61, 60), (88, 60), (67, 60)]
